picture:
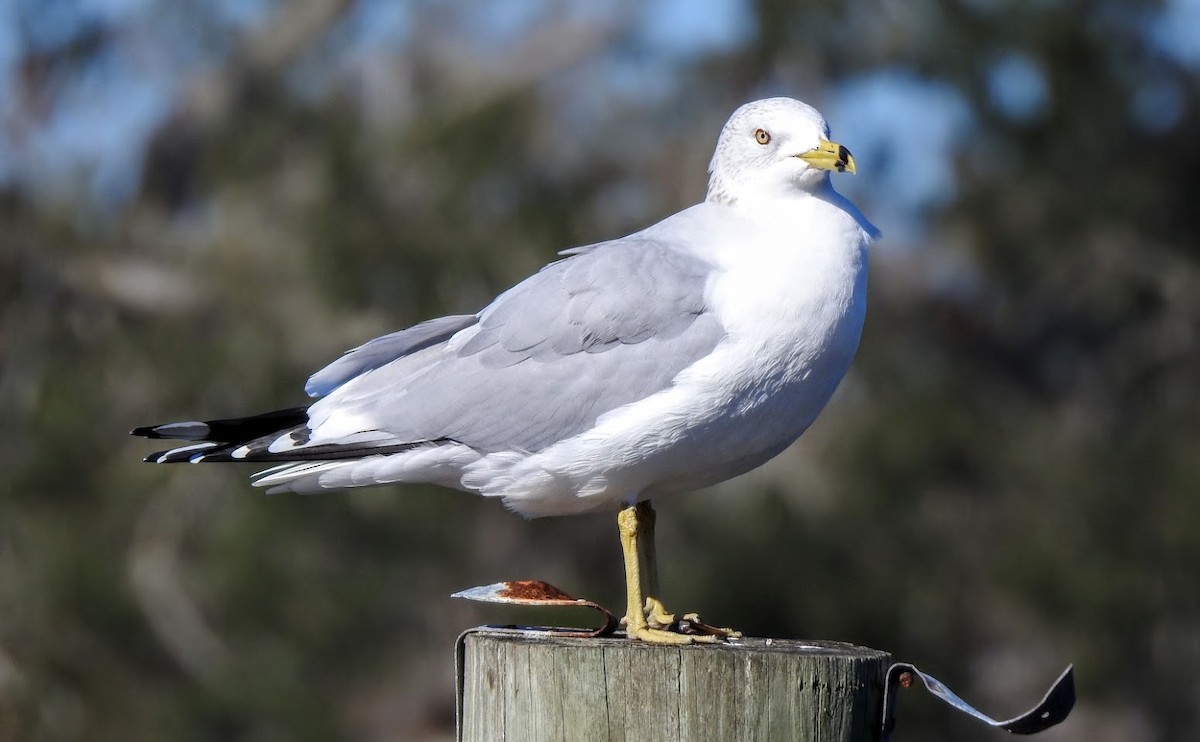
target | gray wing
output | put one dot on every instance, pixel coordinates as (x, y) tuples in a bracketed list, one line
[(383, 350), (627, 292), (585, 335)]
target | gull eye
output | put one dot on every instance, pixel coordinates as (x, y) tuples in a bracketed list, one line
[(762, 136)]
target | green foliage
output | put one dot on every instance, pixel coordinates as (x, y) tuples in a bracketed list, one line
[(1007, 482)]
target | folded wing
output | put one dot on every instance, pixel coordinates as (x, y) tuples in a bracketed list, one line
[(605, 327), (585, 335)]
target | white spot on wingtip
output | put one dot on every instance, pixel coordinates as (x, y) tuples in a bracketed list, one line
[(189, 428), (240, 452), (184, 449)]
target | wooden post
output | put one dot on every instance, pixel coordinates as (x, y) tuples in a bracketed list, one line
[(535, 687)]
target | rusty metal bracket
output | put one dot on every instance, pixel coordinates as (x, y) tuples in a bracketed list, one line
[(539, 593), (1055, 706)]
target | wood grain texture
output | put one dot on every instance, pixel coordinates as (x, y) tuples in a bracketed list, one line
[(531, 687)]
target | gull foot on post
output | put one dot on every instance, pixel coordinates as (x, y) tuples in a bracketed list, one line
[(646, 618), (657, 616)]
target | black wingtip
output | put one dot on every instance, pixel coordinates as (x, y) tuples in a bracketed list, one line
[(215, 440)]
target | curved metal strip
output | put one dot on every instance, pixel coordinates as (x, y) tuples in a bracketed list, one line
[(1055, 706), (539, 593)]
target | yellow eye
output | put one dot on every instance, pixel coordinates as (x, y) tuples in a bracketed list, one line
[(762, 136)]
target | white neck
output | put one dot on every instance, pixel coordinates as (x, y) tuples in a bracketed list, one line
[(740, 192)]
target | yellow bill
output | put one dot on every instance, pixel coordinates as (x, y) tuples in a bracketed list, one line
[(830, 156)]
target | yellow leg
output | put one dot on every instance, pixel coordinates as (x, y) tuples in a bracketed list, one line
[(636, 627), (645, 616), (657, 616)]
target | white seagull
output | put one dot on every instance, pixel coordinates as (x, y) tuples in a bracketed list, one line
[(669, 360)]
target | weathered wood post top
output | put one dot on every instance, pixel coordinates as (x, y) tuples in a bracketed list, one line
[(535, 686)]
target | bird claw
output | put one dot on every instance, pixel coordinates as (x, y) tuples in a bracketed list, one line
[(657, 616), (659, 622), (664, 636), (691, 624)]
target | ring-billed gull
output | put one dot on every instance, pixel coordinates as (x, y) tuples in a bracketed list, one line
[(672, 359)]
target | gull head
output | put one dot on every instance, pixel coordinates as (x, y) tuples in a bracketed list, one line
[(773, 148)]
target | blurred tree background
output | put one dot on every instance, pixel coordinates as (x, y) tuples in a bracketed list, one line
[(202, 203)]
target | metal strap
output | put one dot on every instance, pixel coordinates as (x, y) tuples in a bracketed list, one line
[(1053, 708)]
